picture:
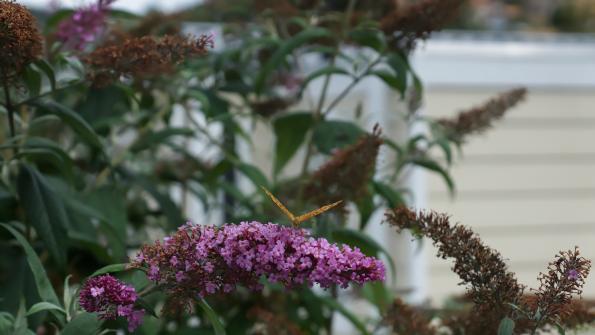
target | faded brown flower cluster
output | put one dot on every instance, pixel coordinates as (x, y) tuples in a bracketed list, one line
[(418, 21), (404, 320), (345, 177), (20, 41), (491, 285), (492, 288), (143, 57), (478, 119), (269, 107), (565, 277), (270, 323)]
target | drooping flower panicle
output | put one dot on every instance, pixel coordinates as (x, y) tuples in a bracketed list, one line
[(84, 26), (111, 298), (481, 118), (491, 286), (200, 260)]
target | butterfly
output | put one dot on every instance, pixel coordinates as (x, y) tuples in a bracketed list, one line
[(296, 220)]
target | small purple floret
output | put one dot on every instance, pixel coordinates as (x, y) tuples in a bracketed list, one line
[(84, 26), (111, 298)]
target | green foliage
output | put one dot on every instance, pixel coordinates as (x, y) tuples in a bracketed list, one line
[(290, 132), (95, 172)]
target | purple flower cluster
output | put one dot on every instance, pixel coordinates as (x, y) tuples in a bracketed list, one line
[(111, 298), (201, 260), (84, 26)]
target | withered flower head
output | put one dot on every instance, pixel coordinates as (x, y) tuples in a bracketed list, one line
[(565, 277), (143, 57), (269, 107), (478, 119), (490, 285), (20, 40), (346, 175), (404, 320), (578, 313), (272, 323), (418, 21)]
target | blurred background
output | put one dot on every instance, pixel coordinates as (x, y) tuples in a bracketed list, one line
[(527, 186)]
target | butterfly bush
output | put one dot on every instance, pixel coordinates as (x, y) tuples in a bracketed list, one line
[(84, 26), (111, 298), (201, 260)]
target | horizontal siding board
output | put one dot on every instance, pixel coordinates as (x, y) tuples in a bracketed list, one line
[(531, 141), (529, 159), (539, 104), (489, 213), (517, 177)]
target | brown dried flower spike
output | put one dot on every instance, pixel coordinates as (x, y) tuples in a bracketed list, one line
[(565, 277), (20, 41), (144, 57), (418, 21), (347, 173), (491, 285), (480, 118)]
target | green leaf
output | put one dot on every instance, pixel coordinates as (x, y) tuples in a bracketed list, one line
[(43, 284), (365, 207), (378, 294), (44, 210), (44, 66), (168, 207), (71, 118), (330, 135), (392, 196), (445, 146), (6, 323), (335, 305), (506, 327), (560, 328), (82, 324), (21, 326), (284, 50), (369, 37), (365, 243), (105, 107), (67, 296), (57, 17), (401, 67), (325, 71), (152, 140), (290, 132), (44, 306), (50, 155), (212, 316), (254, 174), (108, 204), (147, 307), (110, 269), (32, 80), (435, 167), (395, 81)]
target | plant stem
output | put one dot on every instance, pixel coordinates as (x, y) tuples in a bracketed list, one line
[(351, 85), (318, 115), (9, 108)]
